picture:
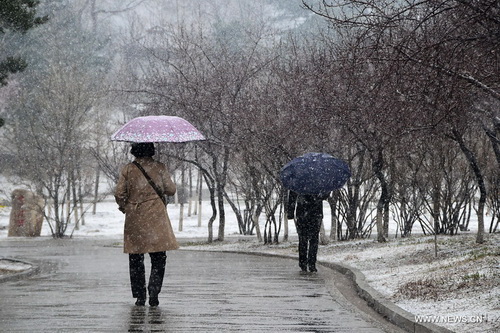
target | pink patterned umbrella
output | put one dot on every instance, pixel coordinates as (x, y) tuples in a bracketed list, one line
[(157, 129)]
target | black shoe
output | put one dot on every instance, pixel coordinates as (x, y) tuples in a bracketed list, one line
[(312, 269), (153, 301), (140, 302), (303, 268)]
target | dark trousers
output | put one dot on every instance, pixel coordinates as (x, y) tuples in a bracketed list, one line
[(308, 231), (138, 274)]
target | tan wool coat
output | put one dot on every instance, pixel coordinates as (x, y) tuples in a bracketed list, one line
[(147, 225)]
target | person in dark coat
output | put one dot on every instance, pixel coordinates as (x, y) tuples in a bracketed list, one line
[(147, 226), (308, 213)]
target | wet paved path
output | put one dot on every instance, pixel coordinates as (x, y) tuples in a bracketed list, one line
[(83, 286)]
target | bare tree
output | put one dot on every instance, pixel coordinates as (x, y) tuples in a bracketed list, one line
[(210, 76), (50, 136), (52, 118), (435, 37)]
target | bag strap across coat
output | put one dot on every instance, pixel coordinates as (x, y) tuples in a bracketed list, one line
[(151, 182)]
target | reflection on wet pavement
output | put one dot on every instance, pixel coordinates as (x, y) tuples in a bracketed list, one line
[(146, 319)]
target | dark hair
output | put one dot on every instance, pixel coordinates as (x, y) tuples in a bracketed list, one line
[(143, 149)]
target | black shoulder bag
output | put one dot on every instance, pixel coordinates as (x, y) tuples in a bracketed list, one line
[(150, 181)]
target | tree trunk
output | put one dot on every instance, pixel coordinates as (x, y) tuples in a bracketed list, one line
[(255, 221), (237, 213), (323, 240), (378, 164), (285, 228), (75, 201), (211, 189), (222, 213), (380, 225), (387, 215), (190, 196), (80, 197), (200, 199), (96, 189), (332, 200), (221, 183), (212, 218), (284, 202), (182, 198), (68, 205), (471, 158)]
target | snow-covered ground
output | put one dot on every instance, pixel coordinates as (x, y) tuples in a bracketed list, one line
[(458, 289), (12, 266)]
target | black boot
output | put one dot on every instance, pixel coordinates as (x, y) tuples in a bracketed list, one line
[(140, 302), (153, 301)]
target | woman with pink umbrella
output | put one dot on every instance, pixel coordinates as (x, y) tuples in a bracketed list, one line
[(140, 194)]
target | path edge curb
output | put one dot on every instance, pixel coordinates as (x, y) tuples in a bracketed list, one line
[(34, 269), (382, 305)]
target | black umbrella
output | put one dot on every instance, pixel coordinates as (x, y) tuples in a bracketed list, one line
[(315, 173)]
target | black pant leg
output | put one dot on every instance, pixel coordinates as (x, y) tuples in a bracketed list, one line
[(301, 225), (158, 262), (313, 251), (314, 230), (303, 252), (137, 275)]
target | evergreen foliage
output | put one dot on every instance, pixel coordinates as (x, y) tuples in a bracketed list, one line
[(19, 15), (16, 16)]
